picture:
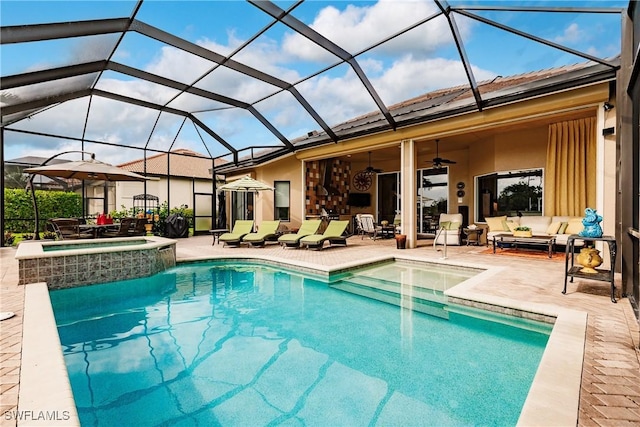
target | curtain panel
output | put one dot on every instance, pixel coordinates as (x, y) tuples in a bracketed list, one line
[(570, 181)]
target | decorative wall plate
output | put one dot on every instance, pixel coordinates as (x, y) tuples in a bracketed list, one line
[(362, 181)]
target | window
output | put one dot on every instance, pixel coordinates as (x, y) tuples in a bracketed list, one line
[(241, 205), (281, 200), (511, 193)]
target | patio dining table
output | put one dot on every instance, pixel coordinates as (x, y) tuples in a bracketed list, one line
[(97, 229)]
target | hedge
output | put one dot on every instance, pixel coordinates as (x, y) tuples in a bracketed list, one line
[(18, 208)]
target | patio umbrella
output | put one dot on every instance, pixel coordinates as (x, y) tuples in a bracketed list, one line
[(90, 169), (86, 169), (245, 184)]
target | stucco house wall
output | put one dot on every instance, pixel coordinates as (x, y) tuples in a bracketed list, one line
[(511, 137)]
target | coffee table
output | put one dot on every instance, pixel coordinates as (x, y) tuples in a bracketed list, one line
[(549, 242)]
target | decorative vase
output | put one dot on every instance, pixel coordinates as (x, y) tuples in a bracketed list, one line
[(401, 241), (591, 222), (589, 259)]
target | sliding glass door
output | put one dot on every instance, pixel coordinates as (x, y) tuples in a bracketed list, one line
[(432, 198), (388, 196)]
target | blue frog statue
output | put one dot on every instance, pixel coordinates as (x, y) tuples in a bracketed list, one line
[(591, 222)]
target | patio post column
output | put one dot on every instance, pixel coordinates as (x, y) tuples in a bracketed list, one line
[(408, 192)]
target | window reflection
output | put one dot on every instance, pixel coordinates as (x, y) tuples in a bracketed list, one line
[(511, 193)]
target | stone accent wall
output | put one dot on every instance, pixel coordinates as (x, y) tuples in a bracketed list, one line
[(67, 271), (340, 178)]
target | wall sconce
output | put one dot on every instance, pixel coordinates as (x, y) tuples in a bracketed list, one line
[(607, 106)]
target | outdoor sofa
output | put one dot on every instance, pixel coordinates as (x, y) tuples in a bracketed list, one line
[(560, 226)]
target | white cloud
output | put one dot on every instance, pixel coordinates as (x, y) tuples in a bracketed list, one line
[(356, 27), (399, 70), (572, 34)]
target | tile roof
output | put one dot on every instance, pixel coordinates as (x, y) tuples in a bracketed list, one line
[(455, 100), (519, 84), (182, 163)]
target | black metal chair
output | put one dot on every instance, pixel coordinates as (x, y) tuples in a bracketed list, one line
[(68, 228), (123, 229), (139, 229)]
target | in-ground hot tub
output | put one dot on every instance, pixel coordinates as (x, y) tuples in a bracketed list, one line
[(71, 263)]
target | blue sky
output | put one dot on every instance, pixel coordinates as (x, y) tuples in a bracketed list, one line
[(423, 60)]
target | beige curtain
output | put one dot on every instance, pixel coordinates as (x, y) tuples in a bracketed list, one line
[(570, 182)]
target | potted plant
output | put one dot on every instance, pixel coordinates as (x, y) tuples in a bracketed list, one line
[(49, 235), (522, 231)]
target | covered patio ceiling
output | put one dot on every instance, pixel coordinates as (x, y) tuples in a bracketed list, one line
[(255, 80)]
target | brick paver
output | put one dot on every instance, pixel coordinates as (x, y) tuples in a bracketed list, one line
[(610, 390)]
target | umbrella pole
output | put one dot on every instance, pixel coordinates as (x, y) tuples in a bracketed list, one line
[(36, 232)]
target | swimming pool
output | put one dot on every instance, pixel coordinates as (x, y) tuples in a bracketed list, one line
[(244, 344)]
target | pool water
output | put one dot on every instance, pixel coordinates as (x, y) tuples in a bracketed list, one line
[(249, 345)]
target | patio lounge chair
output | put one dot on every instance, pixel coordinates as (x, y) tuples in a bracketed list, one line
[(307, 228), (333, 234), (241, 228), (267, 231), (366, 225)]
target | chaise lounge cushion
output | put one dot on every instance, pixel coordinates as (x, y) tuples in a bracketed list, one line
[(307, 228), (333, 234), (240, 229), (267, 231)]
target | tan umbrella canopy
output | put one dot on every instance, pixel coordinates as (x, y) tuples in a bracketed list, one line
[(245, 184), (85, 170), (90, 169)]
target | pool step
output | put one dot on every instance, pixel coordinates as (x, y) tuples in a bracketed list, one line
[(416, 298)]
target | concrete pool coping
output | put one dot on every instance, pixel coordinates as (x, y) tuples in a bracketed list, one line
[(548, 402), (34, 248)]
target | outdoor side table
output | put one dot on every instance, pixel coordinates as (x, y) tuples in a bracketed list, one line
[(216, 232), (602, 275), (473, 235), (387, 231)]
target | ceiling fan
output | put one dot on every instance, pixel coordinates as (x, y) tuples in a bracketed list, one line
[(370, 169), (438, 161)]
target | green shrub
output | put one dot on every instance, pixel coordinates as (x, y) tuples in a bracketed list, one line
[(18, 208)]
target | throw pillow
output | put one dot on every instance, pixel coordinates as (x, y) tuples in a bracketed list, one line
[(510, 225), (445, 224), (453, 225), (495, 223), (575, 226), (563, 228), (553, 227)]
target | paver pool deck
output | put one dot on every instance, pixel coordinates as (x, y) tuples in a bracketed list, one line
[(610, 385)]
